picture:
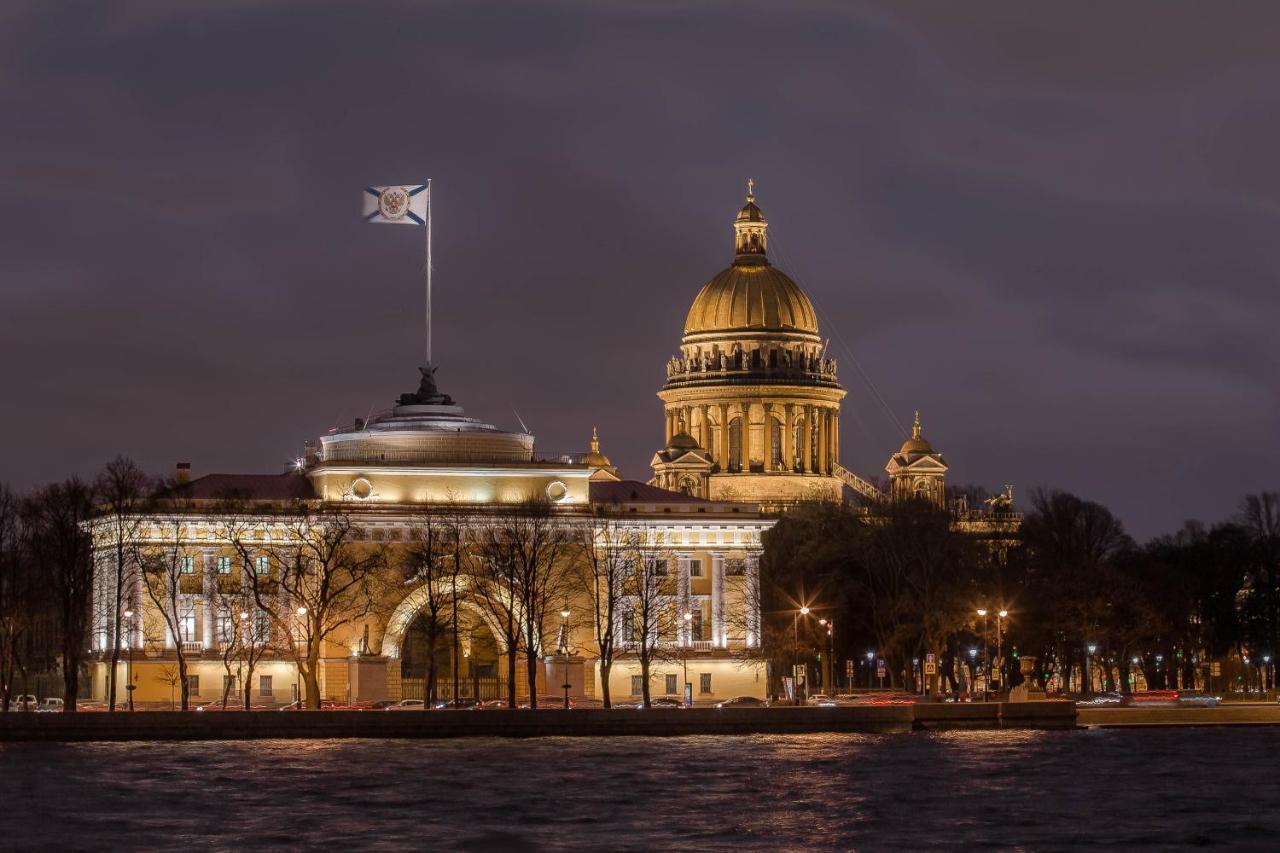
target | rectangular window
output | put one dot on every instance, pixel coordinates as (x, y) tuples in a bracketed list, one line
[(695, 625), (193, 685), (658, 568), (637, 685), (187, 621), (262, 565), (704, 682), (735, 568), (264, 685), (672, 686), (188, 565), (627, 567), (261, 626), (629, 632), (224, 565), (695, 568), (226, 626)]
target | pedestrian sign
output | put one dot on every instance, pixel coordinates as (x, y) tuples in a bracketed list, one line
[(848, 668), (930, 664)]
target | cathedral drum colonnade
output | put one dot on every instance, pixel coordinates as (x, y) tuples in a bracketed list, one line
[(752, 402)]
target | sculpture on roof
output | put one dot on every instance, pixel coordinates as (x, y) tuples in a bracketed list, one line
[(427, 394)]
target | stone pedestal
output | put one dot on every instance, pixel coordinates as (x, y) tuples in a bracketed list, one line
[(367, 679), (1029, 690), (562, 668)]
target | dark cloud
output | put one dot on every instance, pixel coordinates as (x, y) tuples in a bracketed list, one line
[(1049, 228)]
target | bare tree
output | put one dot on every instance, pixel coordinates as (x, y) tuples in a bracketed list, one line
[(161, 568), (121, 490), (494, 578), (17, 599), (649, 605), (320, 580), (244, 639), (606, 548), (56, 520), (431, 561)]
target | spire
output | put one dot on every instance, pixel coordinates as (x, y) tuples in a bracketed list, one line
[(915, 428), (749, 229), (595, 440)]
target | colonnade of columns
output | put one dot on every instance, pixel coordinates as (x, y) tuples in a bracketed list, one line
[(817, 426)]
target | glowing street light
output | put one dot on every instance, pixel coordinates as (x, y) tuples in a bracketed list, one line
[(128, 672)]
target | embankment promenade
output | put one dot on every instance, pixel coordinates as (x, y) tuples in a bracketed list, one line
[(245, 725)]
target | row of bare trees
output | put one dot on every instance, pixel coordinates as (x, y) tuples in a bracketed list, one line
[(310, 580)]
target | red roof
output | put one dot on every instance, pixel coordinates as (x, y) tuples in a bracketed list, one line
[(634, 491), (261, 487)]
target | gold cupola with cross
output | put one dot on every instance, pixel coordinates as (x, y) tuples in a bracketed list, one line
[(751, 389)]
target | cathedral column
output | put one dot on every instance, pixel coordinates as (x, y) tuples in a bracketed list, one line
[(749, 443), (835, 437), (717, 598), (807, 464), (822, 440), (724, 438), (767, 433), (789, 438), (704, 438)]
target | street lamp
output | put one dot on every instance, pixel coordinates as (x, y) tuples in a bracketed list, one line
[(829, 671), (297, 684), (871, 656), (1092, 648), (564, 652), (986, 653), (795, 648), (684, 658), (128, 673), (1000, 617)]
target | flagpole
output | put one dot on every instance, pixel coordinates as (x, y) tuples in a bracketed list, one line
[(429, 221)]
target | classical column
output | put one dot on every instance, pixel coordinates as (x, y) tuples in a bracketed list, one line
[(717, 599), (822, 440), (807, 464), (704, 429), (682, 594), (749, 448), (767, 434), (835, 437), (752, 600), (789, 438), (724, 437)]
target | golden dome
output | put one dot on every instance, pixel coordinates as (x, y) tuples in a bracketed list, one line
[(595, 458), (751, 294), (917, 444)]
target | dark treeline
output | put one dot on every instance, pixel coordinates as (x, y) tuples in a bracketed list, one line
[(907, 579)]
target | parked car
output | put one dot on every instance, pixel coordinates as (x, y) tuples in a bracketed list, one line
[(743, 702), (51, 704), (462, 703), (1197, 699), (382, 704), (821, 700), (23, 702), (408, 705), (325, 705), (1110, 699)]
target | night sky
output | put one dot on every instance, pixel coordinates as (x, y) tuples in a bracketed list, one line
[(1053, 228)]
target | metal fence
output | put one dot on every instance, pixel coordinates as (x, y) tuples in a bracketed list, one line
[(468, 688)]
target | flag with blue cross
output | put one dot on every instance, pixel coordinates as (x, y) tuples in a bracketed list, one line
[(397, 205)]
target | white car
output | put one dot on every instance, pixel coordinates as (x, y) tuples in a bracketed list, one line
[(23, 702), (51, 704), (408, 705)]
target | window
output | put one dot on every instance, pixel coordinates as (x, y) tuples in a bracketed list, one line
[(264, 685), (262, 565), (188, 565), (226, 626), (187, 621), (775, 442), (261, 626), (630, 634), (657, 567), (672, 687), (695, 625), (695, 568), (704, 682), (735, 444), (637, 685), (224, 565), (735, 568), (193, 685), (628, 567)]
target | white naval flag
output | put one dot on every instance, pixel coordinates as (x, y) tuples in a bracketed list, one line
[(397, 205)]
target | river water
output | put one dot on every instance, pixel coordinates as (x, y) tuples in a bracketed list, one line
[(1150, 789)]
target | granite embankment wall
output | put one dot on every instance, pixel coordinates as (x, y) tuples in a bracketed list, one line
[(1223, 715), (240, 725)]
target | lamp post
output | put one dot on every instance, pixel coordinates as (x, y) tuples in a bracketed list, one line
[(986, 652), (684, 657), (795, 649), (564, 651), (1000, 617), (1092, 648), (871, 656), (128, 672), (302, 616), (828, 670), (1264, 677)]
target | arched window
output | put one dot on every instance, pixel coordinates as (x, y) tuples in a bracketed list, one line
[(735, 444), (775, 445)]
